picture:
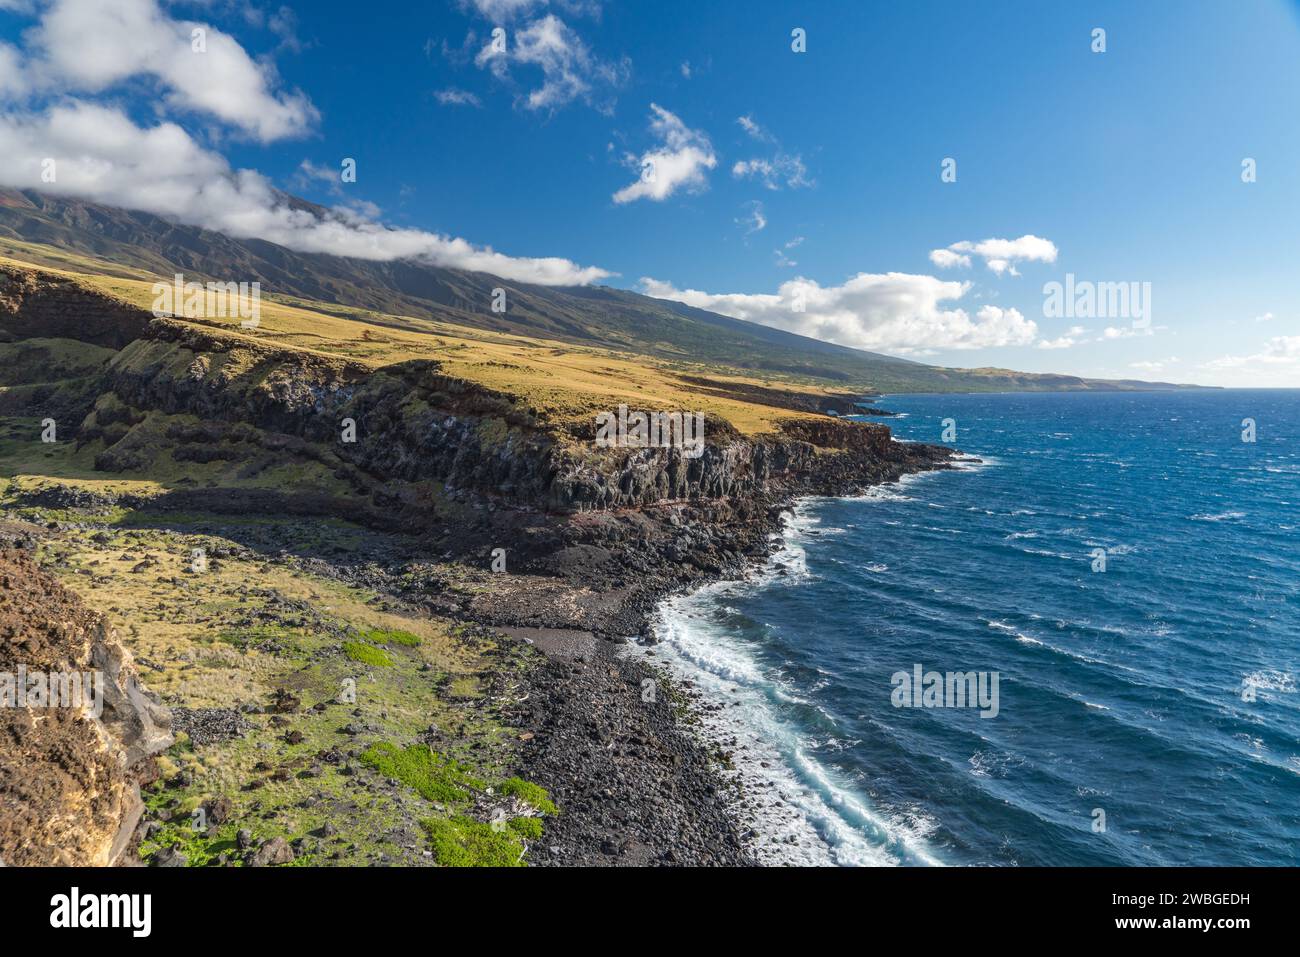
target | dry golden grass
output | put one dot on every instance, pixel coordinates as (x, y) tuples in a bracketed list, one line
[(562, 381)]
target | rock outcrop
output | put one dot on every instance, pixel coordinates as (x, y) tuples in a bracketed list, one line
[(43, 305), (69, 770)]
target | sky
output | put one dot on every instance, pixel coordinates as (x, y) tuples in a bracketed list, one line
[(908, 178)]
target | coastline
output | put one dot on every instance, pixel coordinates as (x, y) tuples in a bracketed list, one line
[(456, 505), (691, 764), (786, 821), (634, 781)]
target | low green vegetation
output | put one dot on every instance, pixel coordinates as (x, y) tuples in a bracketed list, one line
[(529, 828), (432, 775), (529, 793), (461, 841), (252, 644), (391, 636), (367, 654)]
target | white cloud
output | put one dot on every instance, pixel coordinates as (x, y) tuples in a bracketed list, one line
[(1283, 349), (892, 312), (783, 260), (91, 46), (569, 69), (309, 172), (13, 81), (748, 124), (284, 24), (1067, 341), (103, 156), (946, 259), (1112, 333), (1154, 365), (753, 220), (1266, 317), (678, 162), (1000, 255), (781, 169), (773, 172), (454, 97), (1277, 365), (502, 11), (1278, 351)]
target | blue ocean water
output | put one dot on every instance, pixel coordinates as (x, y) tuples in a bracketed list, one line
[(1147, 713)]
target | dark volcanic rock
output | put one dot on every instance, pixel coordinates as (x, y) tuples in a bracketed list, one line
[(273, 852), (634, 789), (209, 725)]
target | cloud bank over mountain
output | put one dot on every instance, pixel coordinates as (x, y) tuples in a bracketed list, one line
[(57, 136)]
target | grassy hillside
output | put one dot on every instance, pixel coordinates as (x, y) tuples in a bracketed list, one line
[(125, 245), (564, 383)]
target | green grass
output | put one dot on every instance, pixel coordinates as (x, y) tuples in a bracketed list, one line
[(367, 654), (529, 793), (461, 841), (529, 828), (432, 775), (387, 636)]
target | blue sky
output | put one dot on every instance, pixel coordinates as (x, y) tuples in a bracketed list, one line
[(1123, 166)]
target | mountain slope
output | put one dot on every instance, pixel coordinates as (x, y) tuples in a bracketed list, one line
[(600, 316)]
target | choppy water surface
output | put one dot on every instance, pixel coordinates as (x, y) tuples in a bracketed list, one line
[(1160, 692)]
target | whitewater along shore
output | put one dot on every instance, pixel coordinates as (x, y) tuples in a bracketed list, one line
[(633, 783), (454, 502)]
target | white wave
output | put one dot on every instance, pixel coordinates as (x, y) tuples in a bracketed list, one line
[(800, 809), (1282, 681), (1219, 517), (1008, 629), (965, 462), (996, 764), (1088, 704), (891, 492)]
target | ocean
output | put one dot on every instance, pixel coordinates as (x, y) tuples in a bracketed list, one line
[(1119, 575)]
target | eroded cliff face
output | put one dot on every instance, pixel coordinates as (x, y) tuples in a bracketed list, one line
[(69, 773), (40, 305), (415, 425), (405, 440)]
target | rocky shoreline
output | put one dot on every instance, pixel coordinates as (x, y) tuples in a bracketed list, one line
[(645, 787), (608, 734), (465, 505)]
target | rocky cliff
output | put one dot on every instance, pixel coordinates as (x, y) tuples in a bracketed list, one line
[(69, 774), (404, 436)]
